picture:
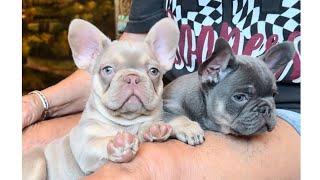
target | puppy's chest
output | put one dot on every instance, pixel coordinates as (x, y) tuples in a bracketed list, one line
[(133, 129)]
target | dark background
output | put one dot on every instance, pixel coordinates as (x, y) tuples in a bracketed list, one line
[(46, 54)]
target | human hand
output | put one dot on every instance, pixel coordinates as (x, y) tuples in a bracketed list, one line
[(32, 109)]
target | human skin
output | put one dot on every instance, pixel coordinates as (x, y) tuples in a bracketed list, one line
[(273, 155)]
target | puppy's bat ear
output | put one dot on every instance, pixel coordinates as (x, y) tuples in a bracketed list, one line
[(163, 40), (214, 67), (278, 56), (86, 43)]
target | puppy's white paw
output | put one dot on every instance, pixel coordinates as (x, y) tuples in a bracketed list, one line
[(189, 132), (123, 147)]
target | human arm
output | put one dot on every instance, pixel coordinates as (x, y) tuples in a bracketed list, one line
[(271, 155), (67, 96), (274, 155)]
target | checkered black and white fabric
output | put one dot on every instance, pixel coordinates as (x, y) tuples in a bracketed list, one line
[(201, 13), (250, 19)]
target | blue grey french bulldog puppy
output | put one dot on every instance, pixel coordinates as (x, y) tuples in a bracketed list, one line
[(232, 94)]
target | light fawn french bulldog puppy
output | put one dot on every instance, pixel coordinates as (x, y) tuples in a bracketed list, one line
[(124, 107), (232, 94)]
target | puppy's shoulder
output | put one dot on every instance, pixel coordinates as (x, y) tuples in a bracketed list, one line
[(181, 86)]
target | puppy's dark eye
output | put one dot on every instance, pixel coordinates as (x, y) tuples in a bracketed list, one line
[(154, 71), (240, 97), (108, 70)]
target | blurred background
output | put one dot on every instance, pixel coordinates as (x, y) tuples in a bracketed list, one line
[(46, 56)]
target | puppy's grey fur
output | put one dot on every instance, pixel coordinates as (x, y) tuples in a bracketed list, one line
[(229, 94), (126, 96)]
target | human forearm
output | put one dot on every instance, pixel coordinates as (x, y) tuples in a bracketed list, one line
[(69, 95), (44, 132), (274, 155)]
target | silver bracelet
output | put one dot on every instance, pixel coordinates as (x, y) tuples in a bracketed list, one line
[(44, 102)]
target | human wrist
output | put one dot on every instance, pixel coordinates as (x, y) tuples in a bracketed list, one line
[(32, 109), (44, 103)]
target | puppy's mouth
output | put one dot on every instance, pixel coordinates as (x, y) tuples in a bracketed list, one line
[(254, 125), (132, 101), (262, 129), (127, 99)]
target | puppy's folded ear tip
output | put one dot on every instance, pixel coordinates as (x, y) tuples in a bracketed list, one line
[(221, 40), (286, 46), (290, 46), (221, 45)]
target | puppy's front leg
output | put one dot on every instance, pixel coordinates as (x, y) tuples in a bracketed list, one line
[(93, 145), (154, 131), (186, 130)]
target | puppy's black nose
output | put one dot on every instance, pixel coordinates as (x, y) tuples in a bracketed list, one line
[(269, 127), (264, 110), (131, 79)]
